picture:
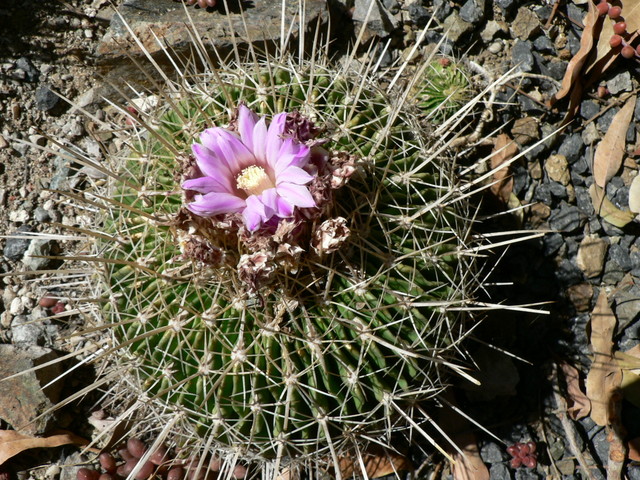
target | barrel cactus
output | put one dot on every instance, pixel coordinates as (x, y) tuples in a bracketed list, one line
[(283, 264)]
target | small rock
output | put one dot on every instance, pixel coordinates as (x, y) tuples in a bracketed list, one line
[(490, 452), (19, 216), (31, 73), (604, 121), (551, 244), (506, 6), (557, 169), (490, 30), (580, 296), (40, 247), (380, 22), (472, 11), (456, 28), (16, 307), (23, 400), (15, 247), (419, 15), (526, 474), (41, 215), (620, 83), (626, 304), (566, 218), (499, 471), (572, 147), (495, 47), (591, 255), (526, 24), (538, 213), (47, 100), (525, 130), (590, 134), (544, 44), (589, 109), (522, 56), (620, 255), (441, 9)]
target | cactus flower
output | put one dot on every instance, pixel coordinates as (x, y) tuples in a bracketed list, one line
[(256, 171)]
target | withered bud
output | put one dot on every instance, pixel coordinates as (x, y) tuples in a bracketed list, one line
[(330, 235), (255, 269), (342, 166)]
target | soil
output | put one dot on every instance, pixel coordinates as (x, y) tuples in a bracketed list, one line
[(48, 46)]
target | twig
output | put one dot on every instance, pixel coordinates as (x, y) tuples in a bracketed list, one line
[(554, 10), (569, 428)]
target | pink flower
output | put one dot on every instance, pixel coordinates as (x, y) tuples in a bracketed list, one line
[(257, 171)]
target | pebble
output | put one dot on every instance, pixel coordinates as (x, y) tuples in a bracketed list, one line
[(16, 307), (491, 452), (525, 130), (522, 56), (566, 218), (46, 99), (557, 169), (572, 147), (41, 215), (620, 83), (495, 47), (31, 73), (604, 120), (506, 6), (580, 296), (419, 15), (473, 11), (442, 9), (19, 216), (40, 247), (499, 471), (591, 255), (543, 44), (590, 134), (15, 247), (490, 30), (456, 27), (525, 25), (589, 109)]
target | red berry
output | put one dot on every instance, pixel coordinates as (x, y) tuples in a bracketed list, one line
[(107, 462), (136, 447), (628, 51), (529, 462), (516, 462), (512, 450), (57, 308), (532, 447), (524, 450), (603, 8), (615, 12), (615, 41), (619, 28)]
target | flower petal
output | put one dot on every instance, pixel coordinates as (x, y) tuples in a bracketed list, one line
[(269, 198), (216, 203), (274, 138), (208, 184), (260, 140), (254, 213), (284, 208), (294, 175), (246, 124), (296, 195), (210, 164), (228, 147), (291, 153)]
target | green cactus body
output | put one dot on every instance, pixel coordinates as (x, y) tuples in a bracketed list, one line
[(316, 357)]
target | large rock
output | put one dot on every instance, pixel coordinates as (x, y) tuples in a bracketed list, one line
[(256, 21), (24, 399)]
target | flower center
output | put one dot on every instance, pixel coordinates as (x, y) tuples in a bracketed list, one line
[(254, 180)]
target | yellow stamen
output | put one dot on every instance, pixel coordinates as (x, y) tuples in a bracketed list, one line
[(254, 180)]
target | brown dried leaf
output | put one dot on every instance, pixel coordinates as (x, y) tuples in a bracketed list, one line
[(629, 362), (579, 403), (610, 151), (631, 14), (504, 150), (576, 64), (605, 376), (634, 195), (634, 449), (377, 463), (468, 466), (607, 210), (13, 443)]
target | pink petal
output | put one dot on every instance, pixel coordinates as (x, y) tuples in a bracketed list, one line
[(254, 213), (260, 140), (228, 147), (296, 195), (216, 203), (210, 163), (284, 208), (294, 175), (274, 138), (291, 153), (269, 199), (246, 124), (208, 185)]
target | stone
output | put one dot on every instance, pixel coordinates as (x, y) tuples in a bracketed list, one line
[(525, 25), (23, 399), (591, 255), (506, 6), (15, 247), (580, 296), (589, 109), (566, 218), (499, 471), (168, 20), (40, 247), (41, 215), (47, 100), (551, 243), (538, 213), (557, 169), (543, 44), (604, 121), (419, 15), (31, 72), (490, 452), (28, 331), (572, 147), (473, 11), (379, 21), (491, 29), (620, 83), (590, 134), (456, 28), (620, 255), (626, 304), (525, 130), (441, 9), (522, 57)]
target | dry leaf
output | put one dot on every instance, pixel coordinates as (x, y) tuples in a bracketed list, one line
[(468, 466), (605, 376), (634, 195), (610, 151), (607, 210), (576, 64), (634, 449), (579, 404), (377, 463), (13, 443), (629, 362), (504, 150)]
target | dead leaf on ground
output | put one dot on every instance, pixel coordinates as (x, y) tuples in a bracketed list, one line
[(13, 443), (634, 195), (634, 449), (468, 466), (376, 461), (579, 404), (607, 210), (576, 64), (504, 150), (629, 362), (610, 151), (605, 376)]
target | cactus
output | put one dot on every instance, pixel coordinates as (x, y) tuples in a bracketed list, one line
[(295, 339)]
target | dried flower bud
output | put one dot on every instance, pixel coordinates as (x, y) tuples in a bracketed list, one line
[(255, 269), (330, 236)]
